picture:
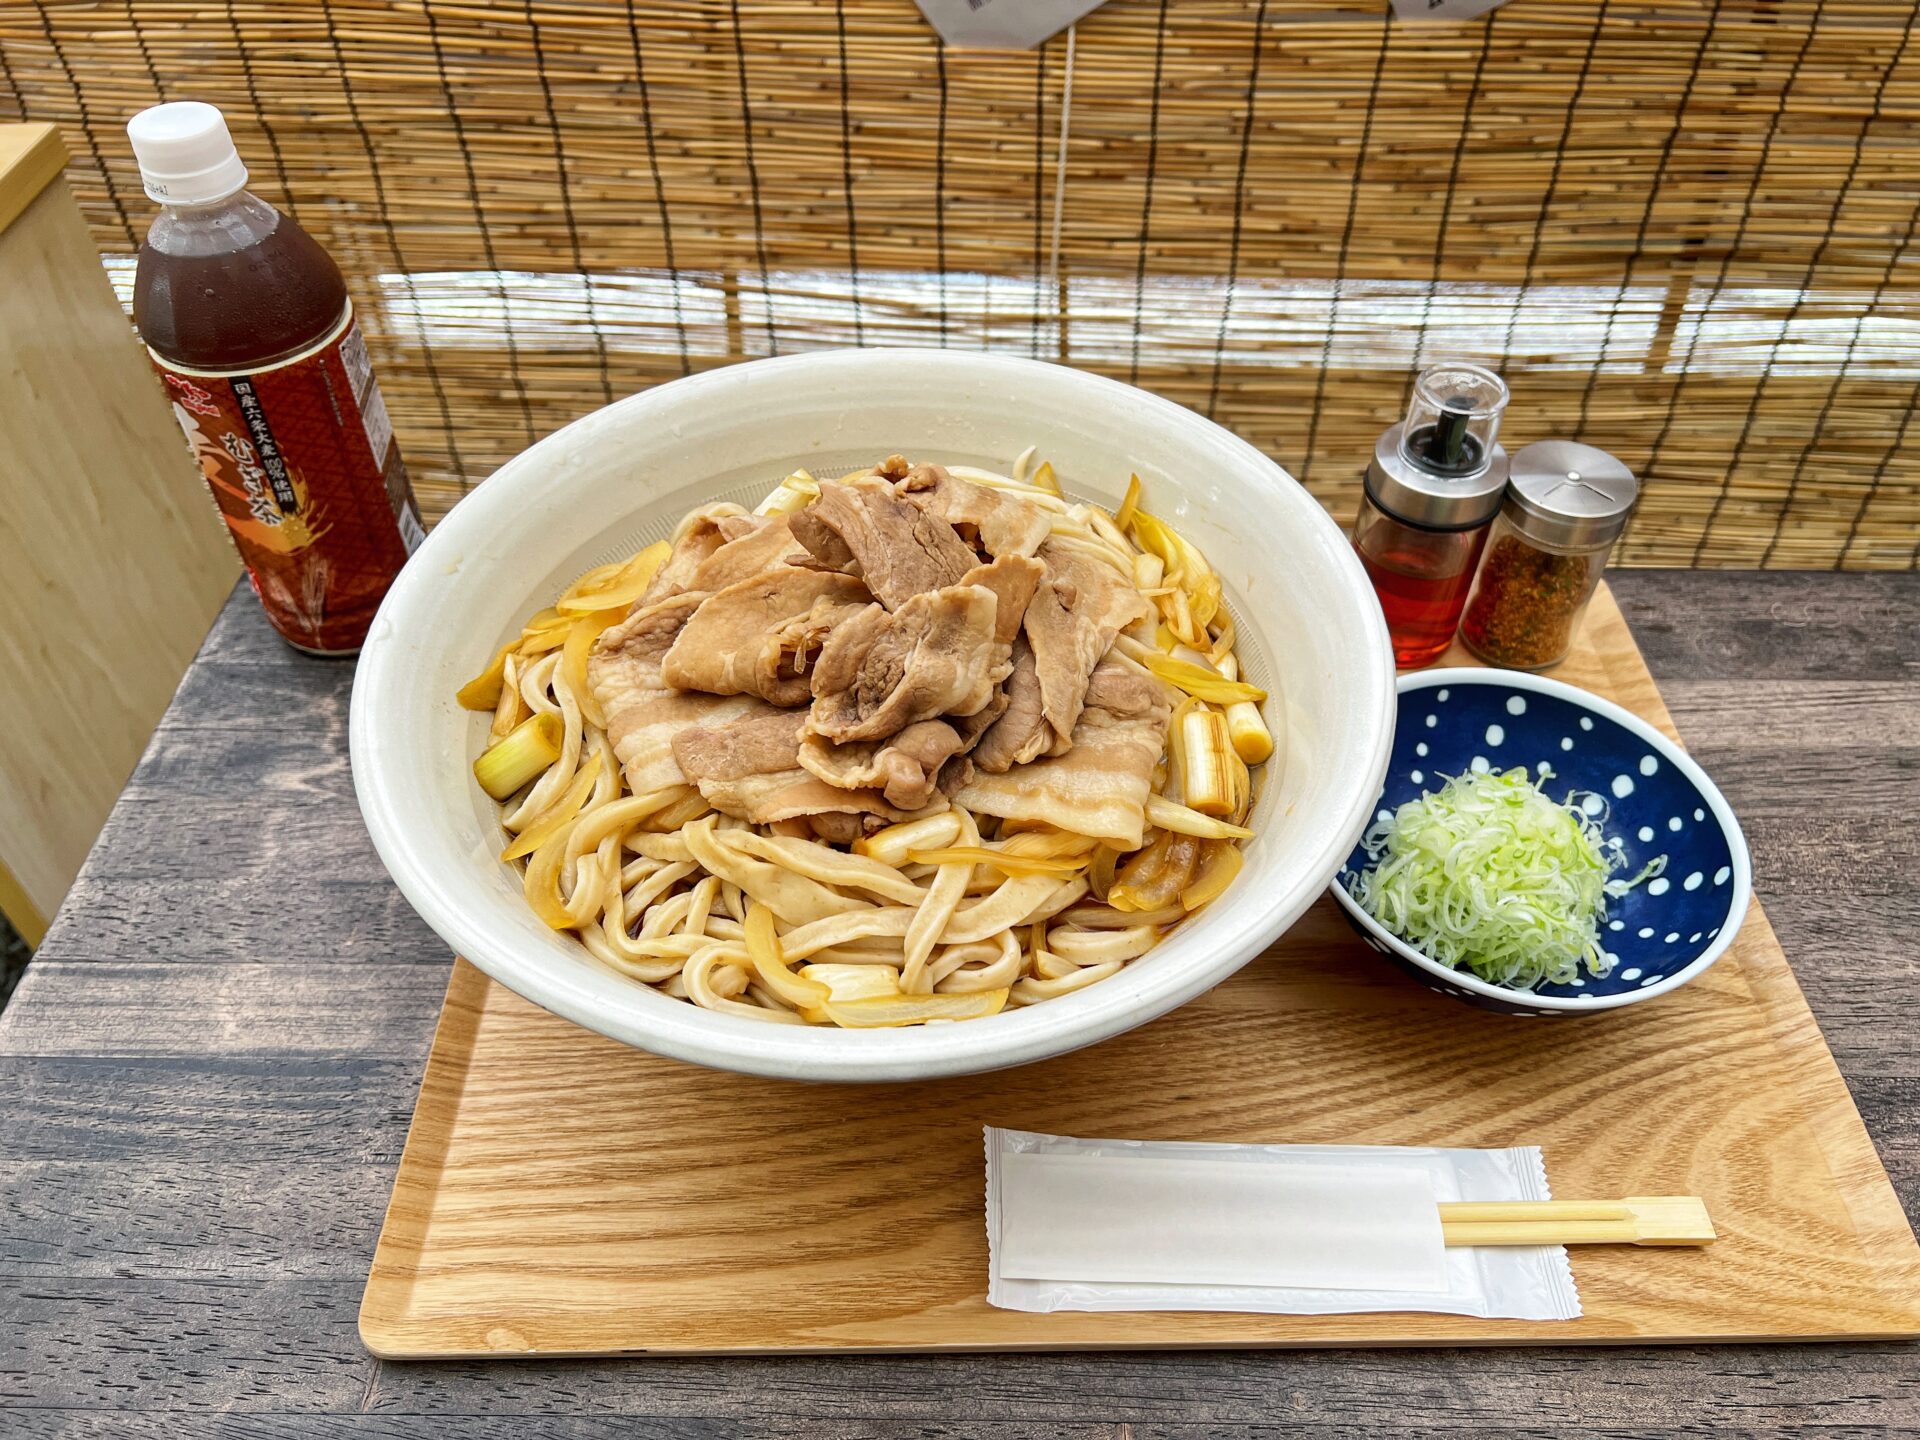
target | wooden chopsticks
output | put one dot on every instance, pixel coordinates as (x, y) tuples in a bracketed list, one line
[(1647, 1220)]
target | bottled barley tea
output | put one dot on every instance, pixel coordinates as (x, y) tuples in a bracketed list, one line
[(249, 324)]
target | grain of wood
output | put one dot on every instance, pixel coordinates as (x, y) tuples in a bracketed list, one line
[(97, 483), (512, 1227), (188, 1158)]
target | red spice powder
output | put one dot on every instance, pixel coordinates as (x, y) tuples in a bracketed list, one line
[(1524, 610)]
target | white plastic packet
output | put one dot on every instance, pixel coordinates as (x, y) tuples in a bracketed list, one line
[(1274, 1229)]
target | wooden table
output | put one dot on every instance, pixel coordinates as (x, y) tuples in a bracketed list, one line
[(209, 1070)]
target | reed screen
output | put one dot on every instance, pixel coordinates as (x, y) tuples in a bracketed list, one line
[(1682, 231)]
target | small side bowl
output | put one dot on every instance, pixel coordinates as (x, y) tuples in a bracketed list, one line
[(1664, 932)]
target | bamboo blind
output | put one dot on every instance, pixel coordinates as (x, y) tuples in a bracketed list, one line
[(1683, 231)]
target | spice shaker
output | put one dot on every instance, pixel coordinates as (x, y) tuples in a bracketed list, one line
[(1431, 492), (1566, 504)]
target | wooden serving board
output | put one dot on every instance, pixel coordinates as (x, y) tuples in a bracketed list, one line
[(563, 1194)]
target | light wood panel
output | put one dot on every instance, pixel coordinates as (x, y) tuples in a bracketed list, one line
[(563, 1194), (112, 565)]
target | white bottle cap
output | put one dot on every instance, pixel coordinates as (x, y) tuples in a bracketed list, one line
[(186, 156)]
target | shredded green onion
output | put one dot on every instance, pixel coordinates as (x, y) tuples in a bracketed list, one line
[(1489, 874)]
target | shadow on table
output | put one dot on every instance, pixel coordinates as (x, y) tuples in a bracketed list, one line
[(14, 955)]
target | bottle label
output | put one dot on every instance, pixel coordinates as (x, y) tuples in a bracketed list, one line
[(302, 463)]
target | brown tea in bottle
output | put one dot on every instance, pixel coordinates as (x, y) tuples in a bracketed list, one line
[(251, 329)]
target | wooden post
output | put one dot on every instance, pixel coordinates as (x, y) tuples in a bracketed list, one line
[(111, 567)]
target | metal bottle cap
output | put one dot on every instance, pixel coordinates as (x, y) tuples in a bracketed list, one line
[(1411, 493), (1568, 495)]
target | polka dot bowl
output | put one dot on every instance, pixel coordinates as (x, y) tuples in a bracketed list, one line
[(1641, 787)]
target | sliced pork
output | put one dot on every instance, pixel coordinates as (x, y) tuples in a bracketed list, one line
[(754, 545), (1013, 579), (757, 636), (879, 673), (1100, 785), (699, 537), (905, 768), (747, 765), (862, 527), (1020, 732), (643, 712), (1075, 613), (998, 522)]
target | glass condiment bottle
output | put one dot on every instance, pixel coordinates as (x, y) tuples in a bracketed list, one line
[(1566, 504), (1431, 492)]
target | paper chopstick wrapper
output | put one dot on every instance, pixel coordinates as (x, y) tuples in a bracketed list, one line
[(1276, 1229)]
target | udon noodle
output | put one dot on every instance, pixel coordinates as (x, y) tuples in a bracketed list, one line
[(951, 909)]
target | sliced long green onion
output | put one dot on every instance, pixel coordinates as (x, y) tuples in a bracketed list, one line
[(1489, 875)]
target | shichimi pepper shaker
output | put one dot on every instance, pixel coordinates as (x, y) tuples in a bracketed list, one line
[(1566, 504)]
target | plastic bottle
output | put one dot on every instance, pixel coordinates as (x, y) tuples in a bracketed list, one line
[(249, 324)]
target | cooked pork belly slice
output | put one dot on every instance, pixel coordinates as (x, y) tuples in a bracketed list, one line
[(749, 551), (1013, 579), (1071, 621), (1020, 732), (955, 775), (747, 766), (971, 728), (1127, 691), (839, 829), (1000, 523), (862, 527), (904, 768), (879, 673), (703, 534), (643, 712), (759, 741), (1099, 786), (752, 638), (796, 643)]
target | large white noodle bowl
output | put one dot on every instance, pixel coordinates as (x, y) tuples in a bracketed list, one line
[(1310, 631)]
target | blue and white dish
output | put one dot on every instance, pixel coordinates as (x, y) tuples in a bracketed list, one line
[(1648, 795)]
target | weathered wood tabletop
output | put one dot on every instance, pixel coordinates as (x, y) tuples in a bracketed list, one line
[(208, 1072)]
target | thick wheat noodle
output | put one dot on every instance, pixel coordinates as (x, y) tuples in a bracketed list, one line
[(672, 848), (1095, 947), (702, 907), (1049, 966), (790, 896), (638, 900), (1031, 991), (536, 681), (716, 975), (931, 916), (830, 866), (805, 941), (1002, 970), (658, 886), (856, 952)]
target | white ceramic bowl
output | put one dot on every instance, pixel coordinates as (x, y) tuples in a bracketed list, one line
[(1310, 632)]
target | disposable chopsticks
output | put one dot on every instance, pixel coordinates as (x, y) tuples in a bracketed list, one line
[(1646, 1220)]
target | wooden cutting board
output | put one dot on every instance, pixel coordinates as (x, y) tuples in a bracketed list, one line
[(563, 1194)]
